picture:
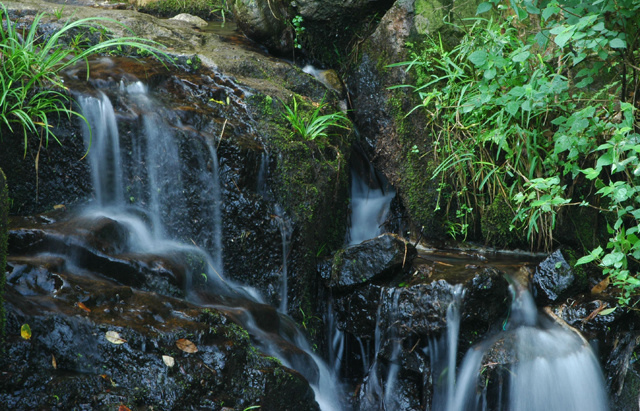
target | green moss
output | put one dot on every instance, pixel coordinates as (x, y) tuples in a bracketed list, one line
[(496, 220), (4, 234), (206, 9), (579, 272)]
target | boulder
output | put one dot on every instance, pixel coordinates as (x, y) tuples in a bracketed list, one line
[(552, 278), (372, 260)]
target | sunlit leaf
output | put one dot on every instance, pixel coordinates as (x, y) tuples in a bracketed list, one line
[(54, 362), (168, 360), (186, 345), (25, 331), (114, 338)]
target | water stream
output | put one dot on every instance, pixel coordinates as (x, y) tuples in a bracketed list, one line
[(148, 201), (552, 367), (139, 182)]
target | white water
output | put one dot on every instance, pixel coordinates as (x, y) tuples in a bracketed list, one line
[(285, 232), (369, 209), (555, 369), (157, 194)]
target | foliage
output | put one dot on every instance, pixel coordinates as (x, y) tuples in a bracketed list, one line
[(31, 86), (298, 29), (312, 126), (533, 110)]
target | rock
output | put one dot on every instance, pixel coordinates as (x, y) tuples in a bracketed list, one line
[(552, 278), (193, 20), (68, 360), (372, 260), (265, 22), (380, 112)]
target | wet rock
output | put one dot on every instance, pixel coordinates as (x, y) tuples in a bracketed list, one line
[(382, 257), (552, 278), (68, 361), (265, 22), (356, 312), (380, 112)]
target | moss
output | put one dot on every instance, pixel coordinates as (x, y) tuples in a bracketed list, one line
[(206, 9), (581, 281), (4, 234), (496, 222)]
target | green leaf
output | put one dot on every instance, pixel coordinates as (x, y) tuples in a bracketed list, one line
[(520, 57), (490, 74), (478, 58), (564, 36), (607, 311), (617, 43), (549, 11), (484, 7)]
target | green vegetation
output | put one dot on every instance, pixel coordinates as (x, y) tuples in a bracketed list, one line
[(313, 125), (31, 86), (535, 116), (206, 9)]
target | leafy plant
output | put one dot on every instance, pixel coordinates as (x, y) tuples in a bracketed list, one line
[(31, 86), (514, 113), (298, 29), (314, 125)]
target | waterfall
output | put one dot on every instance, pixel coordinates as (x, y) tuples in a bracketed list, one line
[(103, 142), (285, 232), (140, 183), (369, 209), (554, 369)]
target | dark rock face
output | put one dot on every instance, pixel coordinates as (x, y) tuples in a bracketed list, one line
[(69, 362), (552, 278), (372, 260)]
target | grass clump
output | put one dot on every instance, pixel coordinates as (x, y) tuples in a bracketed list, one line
[(31, 67)]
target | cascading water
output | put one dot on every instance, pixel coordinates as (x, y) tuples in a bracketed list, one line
[(154, 187), (285, 233), (553, 368), (369, 208)]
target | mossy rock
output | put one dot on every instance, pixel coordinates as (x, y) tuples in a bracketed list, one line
[(496, 222)]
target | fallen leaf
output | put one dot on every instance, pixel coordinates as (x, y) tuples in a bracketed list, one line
[(59, 207), (114, 338), (25, 331), (54, 362), (186, 345), (601, 286), (607, 311), (601, 307), (83, 307), (169, 361), (123, 408)]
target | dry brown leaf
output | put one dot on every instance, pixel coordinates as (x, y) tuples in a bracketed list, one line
[(601, 286), (114, 338), (83, 307), (168, 360), (186, 345), (123, 408), (54, 362)]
